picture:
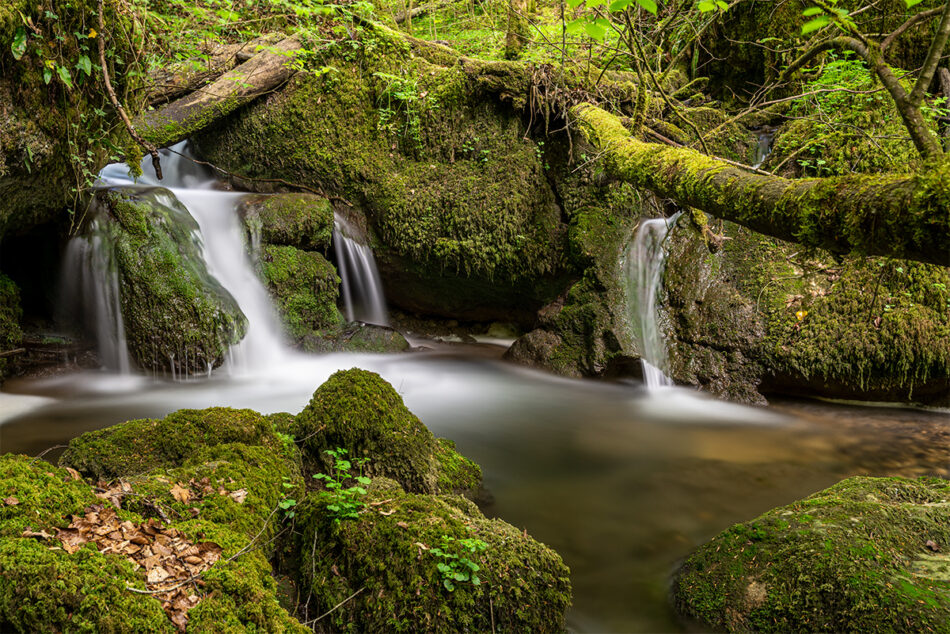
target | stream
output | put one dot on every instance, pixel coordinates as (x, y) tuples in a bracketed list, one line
[(621, 480)]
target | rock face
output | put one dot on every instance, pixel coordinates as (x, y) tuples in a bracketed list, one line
[(175, 312), (10, 313), (864, 555), (304, 221)]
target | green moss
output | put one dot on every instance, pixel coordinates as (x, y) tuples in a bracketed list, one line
[(524, 585), (176, 315), (305, 288), (457, 474), (304, 221), (362, 413), (852, 557), (138, 446), (359, 411), (45, 495)]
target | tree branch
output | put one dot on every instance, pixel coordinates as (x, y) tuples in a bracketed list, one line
[(913, 21), (933, 57), (904, 216)]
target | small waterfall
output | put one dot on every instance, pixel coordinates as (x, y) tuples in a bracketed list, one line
[(646, 261), (89, 287), (363, 298)]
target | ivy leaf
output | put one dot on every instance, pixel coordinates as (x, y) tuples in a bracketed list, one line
[(85, 65), (19, 43), (47, 75), (64, 76), (649, 5)]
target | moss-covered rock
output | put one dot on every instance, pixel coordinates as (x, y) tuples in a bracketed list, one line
[(304, 221), (359, 411), (45, 589), (139, 446), (305, 288), (458, 198), (10, 314), (863, 555), (176, 314), (361, 337), (388, 557)]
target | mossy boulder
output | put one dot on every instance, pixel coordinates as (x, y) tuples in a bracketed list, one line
[(305, 288), (359, 411), (304, 221), (467, 223), (864, 555), (176, 315), (140, 446), (362, 337), (760, 316), (387, 557), (10, 313)]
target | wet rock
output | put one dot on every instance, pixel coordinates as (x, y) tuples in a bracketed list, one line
[(304, 221)]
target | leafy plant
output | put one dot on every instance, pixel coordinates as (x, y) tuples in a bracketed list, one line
[(455, 565), (343, 502)]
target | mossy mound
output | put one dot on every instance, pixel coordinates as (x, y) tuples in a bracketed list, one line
[(10, 313), (759, 316), (305, 288), (139, 446), (458, 198), (176, 314), (359, 411), (304, 221), (386, 557), (45, 589), (864, 555), (361, 337)]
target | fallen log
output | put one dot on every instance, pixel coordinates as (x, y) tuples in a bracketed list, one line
[(179, 119)]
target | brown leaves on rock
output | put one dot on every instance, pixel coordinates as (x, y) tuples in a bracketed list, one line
[(932, 545), (169, 559), (180, 493), (10, 501)]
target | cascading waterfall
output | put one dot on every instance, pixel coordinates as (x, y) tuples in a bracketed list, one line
[(363, 298), (223, 248), (763, 147), (89, 286), (646, 261)]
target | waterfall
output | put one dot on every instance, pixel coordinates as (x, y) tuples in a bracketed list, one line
[(89, 287), (222, 244), (646, 261), (763, 147), (363, 298)]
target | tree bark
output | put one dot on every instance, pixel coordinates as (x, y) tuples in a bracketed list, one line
[(902, 216), (179, 119)]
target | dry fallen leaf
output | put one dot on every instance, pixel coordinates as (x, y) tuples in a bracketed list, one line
[(73, 473), (180, 493), (932, 545), (39, 534), (11, 501), (239, 496), (402, 525)]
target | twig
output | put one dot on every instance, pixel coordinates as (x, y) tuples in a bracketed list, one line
[(46, 451), (334, 608), (920, 17), (156, 160), (10, 353)]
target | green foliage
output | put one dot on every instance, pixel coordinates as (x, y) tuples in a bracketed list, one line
[(341, 501), (455, 567)]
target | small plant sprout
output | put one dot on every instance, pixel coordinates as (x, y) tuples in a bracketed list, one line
[(455, 566), (343, 502)]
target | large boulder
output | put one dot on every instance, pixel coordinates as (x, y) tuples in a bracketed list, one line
[(304, 221), (424, 562), (866, 555), (360, 412), (176, 314)]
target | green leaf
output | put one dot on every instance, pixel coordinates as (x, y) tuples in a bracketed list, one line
[(85, 65), (448, 585), (814, 25), (911, 3), (649, 5), (64, 76), (706, 6), (596, 31), (810, 11), (19, 43), (575, 26), (574, 3), (47, 75), (593, 3), (619, 5)]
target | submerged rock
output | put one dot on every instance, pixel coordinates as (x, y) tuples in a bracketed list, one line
[(394, 567), (867, 554), (176, 314), (359, 411)]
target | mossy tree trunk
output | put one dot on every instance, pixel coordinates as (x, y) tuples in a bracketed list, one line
[(898, 215), (517, 29)]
